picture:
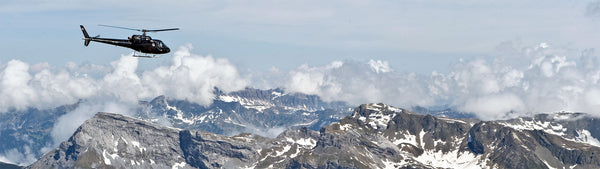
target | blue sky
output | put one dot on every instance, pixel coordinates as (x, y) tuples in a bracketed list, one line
[(414, 36)]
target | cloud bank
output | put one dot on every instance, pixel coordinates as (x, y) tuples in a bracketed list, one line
[(519, 81), (188, 77)]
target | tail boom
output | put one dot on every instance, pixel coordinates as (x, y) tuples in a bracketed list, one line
[(86, 36)]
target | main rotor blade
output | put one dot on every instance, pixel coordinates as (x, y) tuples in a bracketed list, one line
[(158, 30), (122, 28)]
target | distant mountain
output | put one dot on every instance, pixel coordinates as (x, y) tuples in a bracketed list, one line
[(249, 110), (446, 112), (9, 166), (374, 136), (23, 134)]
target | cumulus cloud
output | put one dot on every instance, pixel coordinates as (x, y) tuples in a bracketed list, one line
[(519, 81), (497, 106), (45, 88), (358, 83), (193, 77), (188, 77)]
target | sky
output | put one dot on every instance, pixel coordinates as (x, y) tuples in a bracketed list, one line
[(497, 59), (414, 36)]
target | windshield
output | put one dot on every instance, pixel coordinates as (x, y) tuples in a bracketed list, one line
[(159, 44)]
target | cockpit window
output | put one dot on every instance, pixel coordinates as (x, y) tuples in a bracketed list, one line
[(159, 44)]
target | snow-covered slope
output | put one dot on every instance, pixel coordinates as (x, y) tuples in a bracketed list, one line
[(250, 110), (577, 127)]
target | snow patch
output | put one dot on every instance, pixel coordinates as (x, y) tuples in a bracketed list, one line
[(585, 136), (548, 165), (387, 164), (449, 120), (228, 99), (548, 127), (305, 142), (137, 144), (453, 158), (179, 114), (259, 105), (229, 120), (408, 139), (107, 161), (379, 120), (345, 127), (179, 165), (285, 149)]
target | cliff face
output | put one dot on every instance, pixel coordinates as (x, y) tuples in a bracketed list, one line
[(374, 136)]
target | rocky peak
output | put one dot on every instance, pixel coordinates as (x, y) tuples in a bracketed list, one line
[(116, 140), (376, 116)]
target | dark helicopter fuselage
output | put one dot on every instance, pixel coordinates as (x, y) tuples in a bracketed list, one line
[(140, 43)]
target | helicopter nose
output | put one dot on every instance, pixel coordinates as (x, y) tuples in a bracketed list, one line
[(167, 50)]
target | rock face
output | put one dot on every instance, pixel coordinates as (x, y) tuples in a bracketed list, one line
[(116, 141), (374, 136)]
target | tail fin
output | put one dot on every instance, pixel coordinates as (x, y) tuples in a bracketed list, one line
[(86, 37)]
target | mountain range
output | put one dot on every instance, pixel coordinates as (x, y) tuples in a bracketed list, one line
[(25, 135), (256, 128), (374, 136)]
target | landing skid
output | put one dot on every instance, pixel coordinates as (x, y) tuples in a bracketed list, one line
[(144, 56)]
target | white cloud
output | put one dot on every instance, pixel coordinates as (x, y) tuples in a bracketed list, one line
[(43, 89), (189, 77), (527, 79), (491, 107), (357, 83), (379, 66), (68, 123), (192, 77), (537, 78), (14, 156)]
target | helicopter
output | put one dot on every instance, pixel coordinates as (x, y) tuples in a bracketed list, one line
[(141, 43)]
